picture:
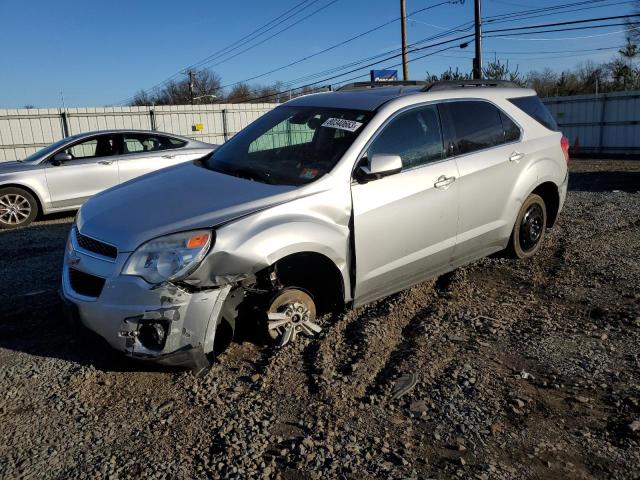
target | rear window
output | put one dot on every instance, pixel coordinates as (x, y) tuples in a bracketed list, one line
[(534, 107)]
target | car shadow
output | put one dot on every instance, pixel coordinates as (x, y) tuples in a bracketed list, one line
[(594, 181), (35, 325)]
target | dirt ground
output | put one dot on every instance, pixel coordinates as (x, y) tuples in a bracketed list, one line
[(521, 370)]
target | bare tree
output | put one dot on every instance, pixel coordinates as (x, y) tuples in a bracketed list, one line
[(206, 84)]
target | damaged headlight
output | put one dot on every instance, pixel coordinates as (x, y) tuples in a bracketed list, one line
[(171, 257)]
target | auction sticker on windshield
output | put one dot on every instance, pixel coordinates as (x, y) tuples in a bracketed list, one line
[(342, 124)]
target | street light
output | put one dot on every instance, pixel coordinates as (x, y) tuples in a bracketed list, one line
[(204, 96)]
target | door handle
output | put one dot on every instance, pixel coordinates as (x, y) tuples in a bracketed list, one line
[(105, 162), (516, 157), (168, 156), (444, 182)]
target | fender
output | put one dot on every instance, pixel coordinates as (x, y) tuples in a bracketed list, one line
[(250, 244)]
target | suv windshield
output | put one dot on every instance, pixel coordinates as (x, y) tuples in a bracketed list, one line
[(290, 145)]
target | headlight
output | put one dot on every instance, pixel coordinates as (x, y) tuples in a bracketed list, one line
[(171, 257)]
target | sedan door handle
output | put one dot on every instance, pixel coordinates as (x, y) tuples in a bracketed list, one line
[(444, 182), (516, 157), (168, 156), (105, 162)]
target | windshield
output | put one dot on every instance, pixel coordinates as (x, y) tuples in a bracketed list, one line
[(47, 150), (290, 145)]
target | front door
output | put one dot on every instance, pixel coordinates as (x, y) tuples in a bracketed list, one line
[(92, 168), (405, 224)]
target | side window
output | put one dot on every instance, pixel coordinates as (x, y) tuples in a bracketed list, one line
[(511, 130), (476, 125), (142, 142), (101, 146), (534, 107), (175, 142), (414, 135)]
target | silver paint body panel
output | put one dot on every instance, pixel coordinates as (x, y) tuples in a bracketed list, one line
[(404, 230), (68, 186)]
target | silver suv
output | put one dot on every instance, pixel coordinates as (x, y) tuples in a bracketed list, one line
[(330, 200)]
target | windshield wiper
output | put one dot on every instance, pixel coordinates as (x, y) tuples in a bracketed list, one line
[(253, 175)]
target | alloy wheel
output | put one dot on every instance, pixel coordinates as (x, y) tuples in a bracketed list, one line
[(14, 209), (292, 312)]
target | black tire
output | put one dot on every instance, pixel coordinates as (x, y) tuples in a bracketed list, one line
[(18, 208), (529, 229)]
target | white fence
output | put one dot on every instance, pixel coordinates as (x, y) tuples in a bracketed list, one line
[(607, 124), (23, 131), (595, 124)]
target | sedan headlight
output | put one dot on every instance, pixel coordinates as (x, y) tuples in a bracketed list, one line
[(171, 257)]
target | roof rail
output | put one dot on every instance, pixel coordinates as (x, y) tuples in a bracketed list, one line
[(452, 84), (391, 83)]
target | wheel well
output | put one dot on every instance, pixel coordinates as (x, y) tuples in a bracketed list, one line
[(316, 274), (549, 193), (27, 189)]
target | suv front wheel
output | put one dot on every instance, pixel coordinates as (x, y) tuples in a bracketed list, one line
[(530, 228)]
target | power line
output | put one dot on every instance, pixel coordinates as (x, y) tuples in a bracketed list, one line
[(332, 47), (226, 49), (256, 33), (274, 35), (518, 32)]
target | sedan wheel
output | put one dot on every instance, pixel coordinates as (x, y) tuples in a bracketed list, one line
[(291, 312), (17, 208)]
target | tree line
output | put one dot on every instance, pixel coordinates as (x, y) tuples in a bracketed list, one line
[(621, 73)]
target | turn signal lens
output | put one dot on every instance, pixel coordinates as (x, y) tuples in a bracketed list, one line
[(198, 241)]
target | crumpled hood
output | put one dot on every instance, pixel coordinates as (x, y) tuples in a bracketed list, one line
[(175, 199)]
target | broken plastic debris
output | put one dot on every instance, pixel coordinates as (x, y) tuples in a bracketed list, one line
[(404, 385), (526, 375)]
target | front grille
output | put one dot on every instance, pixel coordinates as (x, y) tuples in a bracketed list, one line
[(85, 283), (96, 246)]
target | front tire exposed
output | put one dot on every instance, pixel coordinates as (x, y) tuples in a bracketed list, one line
[(18, 208), (529, 229), (291, 312)]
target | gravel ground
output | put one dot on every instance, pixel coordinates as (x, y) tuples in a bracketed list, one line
[(511, 370)]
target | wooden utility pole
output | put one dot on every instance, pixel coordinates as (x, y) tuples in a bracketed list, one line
[(191, 86), (477, 61), (403, 28)]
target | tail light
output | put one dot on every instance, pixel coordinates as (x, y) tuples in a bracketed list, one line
[(564, 144)]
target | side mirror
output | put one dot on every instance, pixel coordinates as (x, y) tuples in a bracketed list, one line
[(60, 158), (380, 165)]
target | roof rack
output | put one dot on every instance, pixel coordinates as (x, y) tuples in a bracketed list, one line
[(392, 83), (452, 84)]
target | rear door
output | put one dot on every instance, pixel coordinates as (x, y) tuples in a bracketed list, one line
[(146, 152), (405, 224), (486, 144), (93, 168)]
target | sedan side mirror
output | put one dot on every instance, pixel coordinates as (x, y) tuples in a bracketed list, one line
[(60, 158), (380, 165)]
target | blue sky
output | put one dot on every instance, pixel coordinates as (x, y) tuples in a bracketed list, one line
[(101, 52)]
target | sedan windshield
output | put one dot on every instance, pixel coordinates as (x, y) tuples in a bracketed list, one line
[(48, 149), (290, 145)]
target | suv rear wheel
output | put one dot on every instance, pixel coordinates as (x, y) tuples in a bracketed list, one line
[(17, 208), (530, 228)]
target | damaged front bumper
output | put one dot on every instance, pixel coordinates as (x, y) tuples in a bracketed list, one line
[(162, 323)]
